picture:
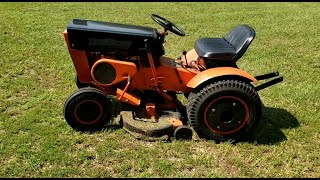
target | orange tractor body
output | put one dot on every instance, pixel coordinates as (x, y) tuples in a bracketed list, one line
[(127, 62)]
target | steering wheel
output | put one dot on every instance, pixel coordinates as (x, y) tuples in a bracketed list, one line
[(168, 25)]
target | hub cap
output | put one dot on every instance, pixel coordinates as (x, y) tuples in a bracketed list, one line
[(226, 115), (88, 112)]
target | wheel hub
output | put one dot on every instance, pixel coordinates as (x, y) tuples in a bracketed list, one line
[(226, 115), (88, 112)]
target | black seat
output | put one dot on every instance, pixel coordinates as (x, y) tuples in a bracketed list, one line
[(230, 48)]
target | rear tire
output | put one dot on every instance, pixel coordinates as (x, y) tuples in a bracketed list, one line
[(224, 110), (87, 109)]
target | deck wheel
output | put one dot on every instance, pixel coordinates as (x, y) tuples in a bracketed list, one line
[(183, 132)]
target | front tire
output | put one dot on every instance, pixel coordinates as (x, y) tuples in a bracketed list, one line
[(87, 109), (224, 110)]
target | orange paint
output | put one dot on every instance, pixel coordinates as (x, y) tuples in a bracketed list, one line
[(80, 61), (128, 98), (123, 70), (154, 73), (216, 72), (175, 122), (171, 77), (125, 90), (151, 110)]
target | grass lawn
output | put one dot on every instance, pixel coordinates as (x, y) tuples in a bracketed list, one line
[(37, 76)]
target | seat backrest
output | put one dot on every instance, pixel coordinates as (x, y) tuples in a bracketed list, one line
[(240, 38)]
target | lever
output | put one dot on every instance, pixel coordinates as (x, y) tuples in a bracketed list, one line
[(185, 57)]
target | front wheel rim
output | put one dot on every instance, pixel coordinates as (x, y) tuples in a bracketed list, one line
[(226, 115), (88, 112)]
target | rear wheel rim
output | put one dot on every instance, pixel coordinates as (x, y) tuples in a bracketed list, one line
[(226, 115), (88, 112)]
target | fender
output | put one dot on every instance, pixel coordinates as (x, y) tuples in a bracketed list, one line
[(216, 72)]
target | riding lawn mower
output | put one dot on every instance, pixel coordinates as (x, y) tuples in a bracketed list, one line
[(126, 64)]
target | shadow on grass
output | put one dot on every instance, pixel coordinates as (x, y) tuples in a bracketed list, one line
[(112, 127), (267, 132), (273, 120), (106, 128)]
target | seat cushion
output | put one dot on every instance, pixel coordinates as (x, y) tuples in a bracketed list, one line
[(214, 48)]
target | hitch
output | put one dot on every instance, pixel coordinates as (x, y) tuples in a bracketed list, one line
[(268, 83)]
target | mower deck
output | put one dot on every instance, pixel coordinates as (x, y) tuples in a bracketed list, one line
[(159, 128)]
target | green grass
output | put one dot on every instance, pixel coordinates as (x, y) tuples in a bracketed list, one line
[(36, 77)]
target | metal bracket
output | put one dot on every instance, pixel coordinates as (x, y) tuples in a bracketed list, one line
[(269, 83)]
